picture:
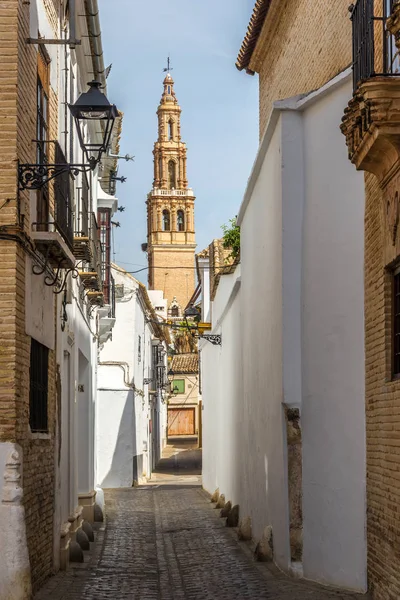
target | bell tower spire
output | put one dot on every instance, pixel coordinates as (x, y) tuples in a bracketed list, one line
[(170, 206)]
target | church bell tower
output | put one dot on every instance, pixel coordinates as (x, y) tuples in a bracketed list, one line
[(170, 210)]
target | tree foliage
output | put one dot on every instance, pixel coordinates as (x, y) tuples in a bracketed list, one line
[(231, 238)]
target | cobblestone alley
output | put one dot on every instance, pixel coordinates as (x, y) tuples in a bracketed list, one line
[(166, 541)]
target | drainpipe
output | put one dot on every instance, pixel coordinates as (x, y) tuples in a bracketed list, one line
[(94, 30)]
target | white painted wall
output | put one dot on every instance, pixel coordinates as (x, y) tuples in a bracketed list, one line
[(222, 395), (333, 412), (301, 340), (124, 406), (265, 496)]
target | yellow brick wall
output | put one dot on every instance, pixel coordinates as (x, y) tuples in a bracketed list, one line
[(179, 281), (18, 74), (303, 44), (382, 408)]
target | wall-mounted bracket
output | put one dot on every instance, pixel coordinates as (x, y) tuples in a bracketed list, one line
[(216, 340), (46, 41), (34, 176)]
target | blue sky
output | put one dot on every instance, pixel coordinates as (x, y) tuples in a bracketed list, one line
[(219, 104)]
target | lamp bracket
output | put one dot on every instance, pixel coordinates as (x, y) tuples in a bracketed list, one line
[(147, 381), (216, 340), (35, 176), (58, 42), (57, 277)]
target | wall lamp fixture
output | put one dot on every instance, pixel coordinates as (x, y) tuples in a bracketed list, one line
[(91, 107), (193, 313)]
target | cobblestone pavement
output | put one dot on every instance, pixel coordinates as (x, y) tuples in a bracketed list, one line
[(166, 541)]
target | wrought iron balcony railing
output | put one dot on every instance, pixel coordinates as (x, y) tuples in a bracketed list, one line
[(374, 50), (63, 217), (52, 229), (90, 273), (82, 223)]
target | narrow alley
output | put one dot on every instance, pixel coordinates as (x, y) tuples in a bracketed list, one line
[(165, 540)]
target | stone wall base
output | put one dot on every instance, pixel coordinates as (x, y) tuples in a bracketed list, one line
[(87, 501)]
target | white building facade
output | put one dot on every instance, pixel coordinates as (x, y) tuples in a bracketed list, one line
[(131, 408), (62, 302), (284, 418)]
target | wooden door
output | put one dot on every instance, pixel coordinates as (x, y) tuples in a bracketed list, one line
[(181, 421)]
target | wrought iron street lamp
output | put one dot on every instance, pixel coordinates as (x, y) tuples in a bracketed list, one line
[(91, 106), (193, 313)]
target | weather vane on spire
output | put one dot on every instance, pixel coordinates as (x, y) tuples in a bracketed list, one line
[(168, 68)]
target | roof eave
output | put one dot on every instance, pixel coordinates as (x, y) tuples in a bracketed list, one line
[(254, 28)]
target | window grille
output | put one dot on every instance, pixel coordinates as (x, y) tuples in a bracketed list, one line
[(38, 395)]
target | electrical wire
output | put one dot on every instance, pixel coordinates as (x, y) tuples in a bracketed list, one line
[(172, 268)]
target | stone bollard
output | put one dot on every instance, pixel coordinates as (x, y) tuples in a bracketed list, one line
[(245, 532), (215, 496), (264, 551), (226, 510), (232, 519), (221, 501), (88, 529)]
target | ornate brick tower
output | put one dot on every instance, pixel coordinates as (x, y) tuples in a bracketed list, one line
[(170, 209)]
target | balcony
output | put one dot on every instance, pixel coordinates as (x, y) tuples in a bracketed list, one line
[(371, 122), (90, 274), (95, 298), (182, 193), (52, 231)]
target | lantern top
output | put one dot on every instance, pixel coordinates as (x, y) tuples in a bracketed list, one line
[(93, 104)]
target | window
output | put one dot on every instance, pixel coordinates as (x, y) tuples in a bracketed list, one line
[(170, 130), (171, 174), (174, 311), (396, 324), (179, 386), (169, 89), (166, 220), (139, 350), (180, 220), (160, 169), (38, 393), (42, 128)]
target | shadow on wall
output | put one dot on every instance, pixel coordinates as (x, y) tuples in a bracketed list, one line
[(186, 462), (122, 442)]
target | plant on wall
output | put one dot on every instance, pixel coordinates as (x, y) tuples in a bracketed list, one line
[(184, 341), (231, 238)]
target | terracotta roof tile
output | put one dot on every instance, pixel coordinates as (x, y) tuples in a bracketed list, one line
[(185, 363), (260, 12)]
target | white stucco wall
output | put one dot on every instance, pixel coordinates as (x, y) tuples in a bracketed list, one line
[(265, 498), (115, 442), (301, 340), (124, 407), (333, 413)]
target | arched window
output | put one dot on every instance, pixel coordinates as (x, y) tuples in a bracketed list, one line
[(174, 311), (171, 174), (180, 220), (166, 220), (170, 130)]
